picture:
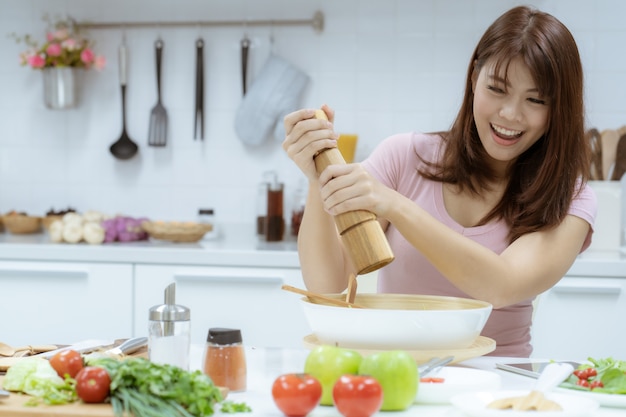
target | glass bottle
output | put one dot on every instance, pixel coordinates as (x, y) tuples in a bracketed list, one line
[(275, 221), (169, 332), (225, 358)]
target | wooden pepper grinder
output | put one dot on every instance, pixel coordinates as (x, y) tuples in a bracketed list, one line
[(360, 231)]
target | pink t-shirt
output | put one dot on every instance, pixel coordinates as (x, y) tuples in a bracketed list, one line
[(395, 163)]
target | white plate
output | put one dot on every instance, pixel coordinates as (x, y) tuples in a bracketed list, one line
[(608, 400), (457, 380), (474, 404)]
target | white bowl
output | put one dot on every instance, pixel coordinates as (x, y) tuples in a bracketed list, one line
[(398, 321)]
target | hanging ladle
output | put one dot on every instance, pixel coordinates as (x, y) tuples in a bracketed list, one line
[(124, 147)]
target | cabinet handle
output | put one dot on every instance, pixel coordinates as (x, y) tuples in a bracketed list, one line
[(587, 289), (47, 271), (231, 279)]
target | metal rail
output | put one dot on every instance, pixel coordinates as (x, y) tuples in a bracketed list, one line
[(317, 22)]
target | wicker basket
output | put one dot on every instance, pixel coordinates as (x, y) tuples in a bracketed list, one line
[(49, 219), (22, 224), (177, 231)]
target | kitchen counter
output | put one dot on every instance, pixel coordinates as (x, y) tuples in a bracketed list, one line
[(265, 364), (236, 245)]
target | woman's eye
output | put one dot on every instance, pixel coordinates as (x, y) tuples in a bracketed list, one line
[(495, 89), (537, 100)]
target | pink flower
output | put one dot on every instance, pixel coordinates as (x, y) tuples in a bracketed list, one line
[(70, 44), (61, 34), (49, 36), (54, 49), (99, 62), (87, 56), (36, 61)]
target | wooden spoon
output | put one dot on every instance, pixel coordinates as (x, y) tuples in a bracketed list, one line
[(552, 375), (320, 297)]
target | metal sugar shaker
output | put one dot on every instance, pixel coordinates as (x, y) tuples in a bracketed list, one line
[(169, 332)]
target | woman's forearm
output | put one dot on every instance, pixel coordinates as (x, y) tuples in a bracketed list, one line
[(322, 257)]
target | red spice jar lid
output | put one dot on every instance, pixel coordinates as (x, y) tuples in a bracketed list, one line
[(223, 336)]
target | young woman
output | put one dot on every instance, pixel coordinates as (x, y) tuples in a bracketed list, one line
[(497, 208)]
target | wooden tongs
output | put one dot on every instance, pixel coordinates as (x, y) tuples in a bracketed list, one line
[(349, 300)]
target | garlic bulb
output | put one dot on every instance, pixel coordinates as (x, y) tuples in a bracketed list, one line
[(93, 233), (72, 232), (56, 231), (72, 218)]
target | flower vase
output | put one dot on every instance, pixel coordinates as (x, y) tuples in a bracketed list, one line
[(60, 87)]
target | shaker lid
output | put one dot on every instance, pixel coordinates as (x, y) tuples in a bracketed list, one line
[(170, 311), (223, 336)]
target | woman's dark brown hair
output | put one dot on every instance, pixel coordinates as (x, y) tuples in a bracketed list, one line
[(543, 180)]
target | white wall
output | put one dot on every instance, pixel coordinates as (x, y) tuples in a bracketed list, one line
[(385, 66)]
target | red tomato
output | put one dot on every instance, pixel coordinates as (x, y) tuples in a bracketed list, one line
[(93, 384), (67, 362), (582, 383), (296, 394), (357, 395)]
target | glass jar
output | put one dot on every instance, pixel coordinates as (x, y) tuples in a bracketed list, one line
[(169, 332), (225, 358)]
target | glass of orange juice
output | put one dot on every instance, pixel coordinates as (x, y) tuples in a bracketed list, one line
[(347, 146)]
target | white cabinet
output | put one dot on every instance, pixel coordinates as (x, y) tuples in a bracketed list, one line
[(246, 298), (581, 317), (54, 302)]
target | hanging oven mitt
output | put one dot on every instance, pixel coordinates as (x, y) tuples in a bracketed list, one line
[(275, 92)]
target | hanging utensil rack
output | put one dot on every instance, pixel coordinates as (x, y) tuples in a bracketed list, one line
[(316, 22)]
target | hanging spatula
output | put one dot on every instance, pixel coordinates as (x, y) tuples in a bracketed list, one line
[(157, 133)]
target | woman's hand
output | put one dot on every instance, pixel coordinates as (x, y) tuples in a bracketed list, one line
[(306, 136), (350, 187)]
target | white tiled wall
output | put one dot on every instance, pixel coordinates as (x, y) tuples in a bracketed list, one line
[(384, 65)]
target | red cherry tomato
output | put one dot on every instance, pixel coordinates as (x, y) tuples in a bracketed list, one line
[(67, 362), (582, 383), (296, 394), (596, 384), (357, 395), (93, 384)]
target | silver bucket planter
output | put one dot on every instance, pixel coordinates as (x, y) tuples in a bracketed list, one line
[(60, 87)]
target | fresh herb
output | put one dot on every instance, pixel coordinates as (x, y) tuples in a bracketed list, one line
[(147, 389), (233, 407)]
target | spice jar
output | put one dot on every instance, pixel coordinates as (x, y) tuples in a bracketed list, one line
[(225, 359), (169, 332)]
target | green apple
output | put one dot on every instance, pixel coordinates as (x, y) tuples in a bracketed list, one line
[(396, 371), (328, 363)]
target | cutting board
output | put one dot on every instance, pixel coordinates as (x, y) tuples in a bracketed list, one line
[(13, 406)]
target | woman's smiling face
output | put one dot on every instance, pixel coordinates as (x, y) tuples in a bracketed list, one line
[(509, 112)]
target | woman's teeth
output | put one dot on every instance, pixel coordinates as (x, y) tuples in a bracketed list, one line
[(506, 133)]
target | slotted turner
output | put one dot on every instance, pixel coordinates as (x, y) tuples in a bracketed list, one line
[(157, 133)]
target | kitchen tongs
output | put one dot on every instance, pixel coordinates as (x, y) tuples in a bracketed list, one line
[(198, 127)]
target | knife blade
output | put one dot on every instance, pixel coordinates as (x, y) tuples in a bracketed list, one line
[(84, 346)]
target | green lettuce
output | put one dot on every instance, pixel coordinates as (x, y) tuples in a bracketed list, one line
[(33, 376)]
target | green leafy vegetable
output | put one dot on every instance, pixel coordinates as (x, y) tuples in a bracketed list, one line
[(147, 389), (233, 407), (610, 372)]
